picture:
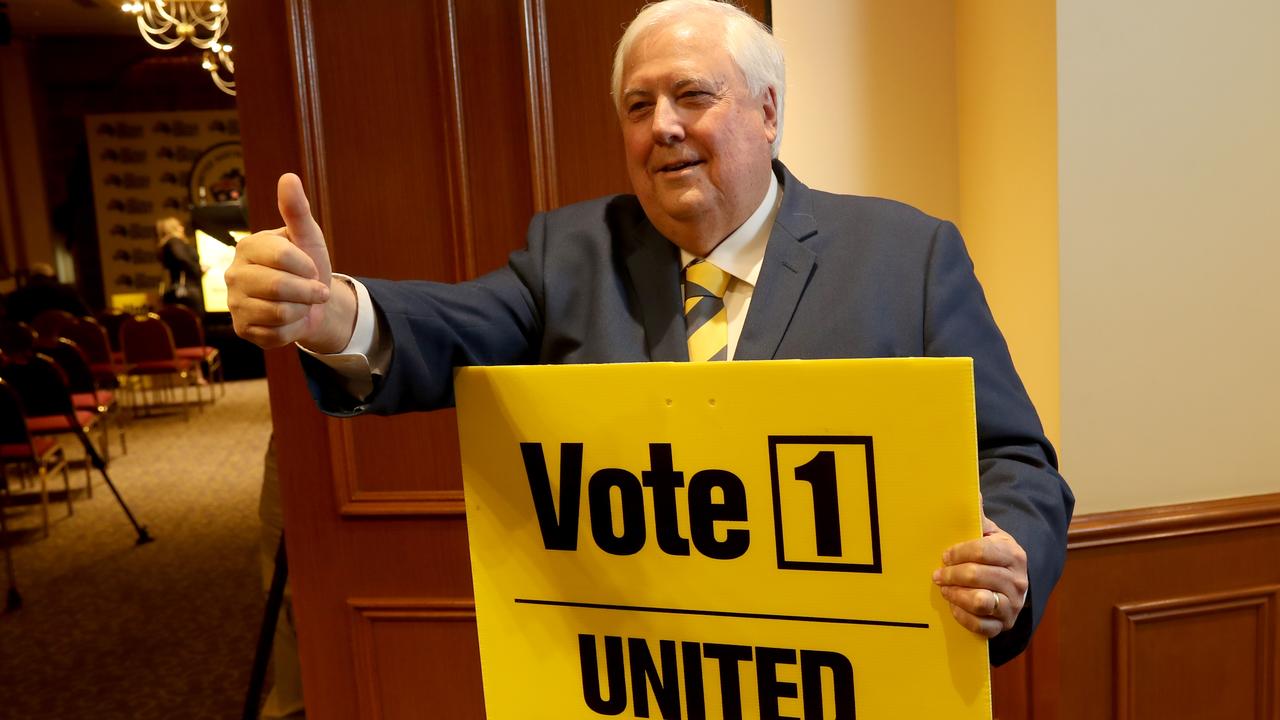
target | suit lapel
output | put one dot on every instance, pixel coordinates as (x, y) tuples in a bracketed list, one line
[(784, 273), (654, 265)]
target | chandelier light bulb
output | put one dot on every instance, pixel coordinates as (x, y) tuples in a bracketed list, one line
[(215, 7)]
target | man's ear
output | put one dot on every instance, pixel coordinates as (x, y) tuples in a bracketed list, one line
[(770, 109)]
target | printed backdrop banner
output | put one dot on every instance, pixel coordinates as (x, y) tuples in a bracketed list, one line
[(722, 540), (148, 166)]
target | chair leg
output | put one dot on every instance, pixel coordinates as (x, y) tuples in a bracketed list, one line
[(4, 534), (106, 440), (66, 484), (44, 499), (88, 477)]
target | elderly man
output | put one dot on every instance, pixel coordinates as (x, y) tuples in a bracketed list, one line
[(763, 266)]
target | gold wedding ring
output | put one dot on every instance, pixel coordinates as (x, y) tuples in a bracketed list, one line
[(995, 598)]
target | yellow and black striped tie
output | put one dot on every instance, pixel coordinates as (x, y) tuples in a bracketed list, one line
[(706, 323)]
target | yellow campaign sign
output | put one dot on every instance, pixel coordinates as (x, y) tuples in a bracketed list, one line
[(714, 541)]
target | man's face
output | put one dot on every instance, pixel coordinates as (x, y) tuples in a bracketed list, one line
[(697, 145)]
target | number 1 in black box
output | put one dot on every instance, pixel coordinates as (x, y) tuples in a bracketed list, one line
[(824, 503)]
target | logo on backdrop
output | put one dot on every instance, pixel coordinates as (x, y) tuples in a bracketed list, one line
[(218, 175)]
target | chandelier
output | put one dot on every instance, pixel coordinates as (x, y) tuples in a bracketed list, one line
[(166, 24)]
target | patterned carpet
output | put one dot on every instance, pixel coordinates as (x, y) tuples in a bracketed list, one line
[(166, 630)]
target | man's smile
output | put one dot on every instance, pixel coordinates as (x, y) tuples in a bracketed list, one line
[(679, 167)]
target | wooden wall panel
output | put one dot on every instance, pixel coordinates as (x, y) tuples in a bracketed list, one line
[(1165, 612), (400, 673), (437, 188), (1207, 655), (390, 197)]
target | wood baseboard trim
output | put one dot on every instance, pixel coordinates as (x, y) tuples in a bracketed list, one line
[(1166, 521)]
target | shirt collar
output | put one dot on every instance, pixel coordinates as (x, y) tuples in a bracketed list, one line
[(742, 253)]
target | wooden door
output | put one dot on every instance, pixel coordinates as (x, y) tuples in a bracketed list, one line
[(427, 133)]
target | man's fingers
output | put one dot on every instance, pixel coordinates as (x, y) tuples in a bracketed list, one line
[(985, 580), (984, 626), (252, 311), (270, 337), (984, 577), (985, 603), (272, 249), (989, 550), (249, 281), (296, 211)]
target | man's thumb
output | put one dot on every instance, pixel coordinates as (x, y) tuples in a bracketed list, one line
[(296, 211)]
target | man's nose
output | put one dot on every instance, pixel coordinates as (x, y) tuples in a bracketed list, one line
[(668, 128)]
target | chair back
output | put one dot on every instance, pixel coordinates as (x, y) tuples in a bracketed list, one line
[(13, 423), (146, 338), (89, 335), (16, 338), (112, 320), (49, 323), (74, 365), (41, 385), (185, 325)]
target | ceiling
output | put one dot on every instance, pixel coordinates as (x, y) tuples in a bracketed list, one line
[(37, 18)]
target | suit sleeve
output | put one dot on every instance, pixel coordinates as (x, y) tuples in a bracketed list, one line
[(435, 327), (1022, 490)]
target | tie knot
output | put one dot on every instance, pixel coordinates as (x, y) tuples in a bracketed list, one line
[(702, 279)]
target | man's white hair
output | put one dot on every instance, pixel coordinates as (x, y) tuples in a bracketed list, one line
[(749, 42)]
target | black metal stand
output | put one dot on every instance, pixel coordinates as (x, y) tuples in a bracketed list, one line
[(266, 633), (91, 453)]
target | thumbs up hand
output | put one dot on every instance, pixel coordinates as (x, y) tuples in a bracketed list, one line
[(279, 287)]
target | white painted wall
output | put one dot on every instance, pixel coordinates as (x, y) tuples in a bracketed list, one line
[(1169, 176)]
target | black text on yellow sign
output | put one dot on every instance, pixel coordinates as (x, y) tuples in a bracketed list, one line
[(670, 541), (622, 503), (679, 688)]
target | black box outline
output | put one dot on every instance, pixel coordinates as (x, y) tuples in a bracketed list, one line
[(783, 564)]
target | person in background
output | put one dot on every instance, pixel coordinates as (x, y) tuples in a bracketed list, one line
[(182, 262), (41, 292)]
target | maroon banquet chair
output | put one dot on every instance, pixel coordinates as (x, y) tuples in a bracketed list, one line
[(49, 323), (188, 337), (150, 355), (46, 401), (91, 337), (19, 448), (112, 321), (16, 338), (86, 392)]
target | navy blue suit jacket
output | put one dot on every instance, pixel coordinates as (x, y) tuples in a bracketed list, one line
[(843, 277)]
